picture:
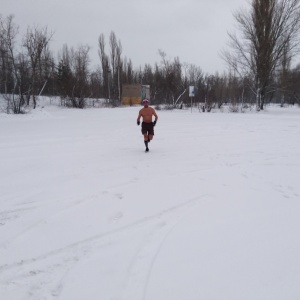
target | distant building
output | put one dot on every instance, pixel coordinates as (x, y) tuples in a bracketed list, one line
[(134, 93)]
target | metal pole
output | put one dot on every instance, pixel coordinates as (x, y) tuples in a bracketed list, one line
[(108, 72)]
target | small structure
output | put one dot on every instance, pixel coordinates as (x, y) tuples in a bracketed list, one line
[(134, 93)]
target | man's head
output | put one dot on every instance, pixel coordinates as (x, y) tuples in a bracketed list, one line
[(145, 102)]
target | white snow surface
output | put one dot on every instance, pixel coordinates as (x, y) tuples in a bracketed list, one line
[(212, 212)]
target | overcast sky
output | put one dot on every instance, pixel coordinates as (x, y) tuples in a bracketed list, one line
[(193, 30)]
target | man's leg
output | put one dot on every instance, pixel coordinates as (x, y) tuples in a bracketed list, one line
[(151, 133), (146, 141)]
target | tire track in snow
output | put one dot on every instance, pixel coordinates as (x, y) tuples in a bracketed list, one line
[(140, 269), (103, 235), (142, 264), (44, 275)]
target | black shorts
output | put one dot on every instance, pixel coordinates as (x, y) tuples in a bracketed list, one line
[(147, 128)]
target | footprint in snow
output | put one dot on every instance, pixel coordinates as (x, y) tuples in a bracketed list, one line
[(116, 217)]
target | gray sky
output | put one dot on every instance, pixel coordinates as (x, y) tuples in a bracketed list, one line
[(193, 30)]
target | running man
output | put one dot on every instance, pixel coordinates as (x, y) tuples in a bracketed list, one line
[(147, 125)]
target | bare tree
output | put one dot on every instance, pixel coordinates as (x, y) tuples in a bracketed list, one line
[(35, 42), (284, 73), (11, 65), (64, 75), (119, 68), (173, 83), (113, 52), (81, 75), (104, 64), (73, 76), (127, 71), (8, 33), (116, 65), (265, 32)]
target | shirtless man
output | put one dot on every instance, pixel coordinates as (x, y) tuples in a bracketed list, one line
[(147, 125)]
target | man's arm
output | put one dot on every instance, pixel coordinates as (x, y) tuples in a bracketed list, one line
[(138, 119), (155, 115)]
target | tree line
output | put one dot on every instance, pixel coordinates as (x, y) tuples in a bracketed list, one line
[(259, 59)]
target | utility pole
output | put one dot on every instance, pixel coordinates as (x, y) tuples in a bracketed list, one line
[(108, 84)]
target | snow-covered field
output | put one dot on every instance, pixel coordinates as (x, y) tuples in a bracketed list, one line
[(212, 212)]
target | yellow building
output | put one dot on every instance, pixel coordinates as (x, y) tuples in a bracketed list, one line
[(134, 93)]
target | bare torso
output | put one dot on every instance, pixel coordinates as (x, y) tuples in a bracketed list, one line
[(146, 113)]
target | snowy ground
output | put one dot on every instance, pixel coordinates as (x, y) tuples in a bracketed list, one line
[(211, 212)]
